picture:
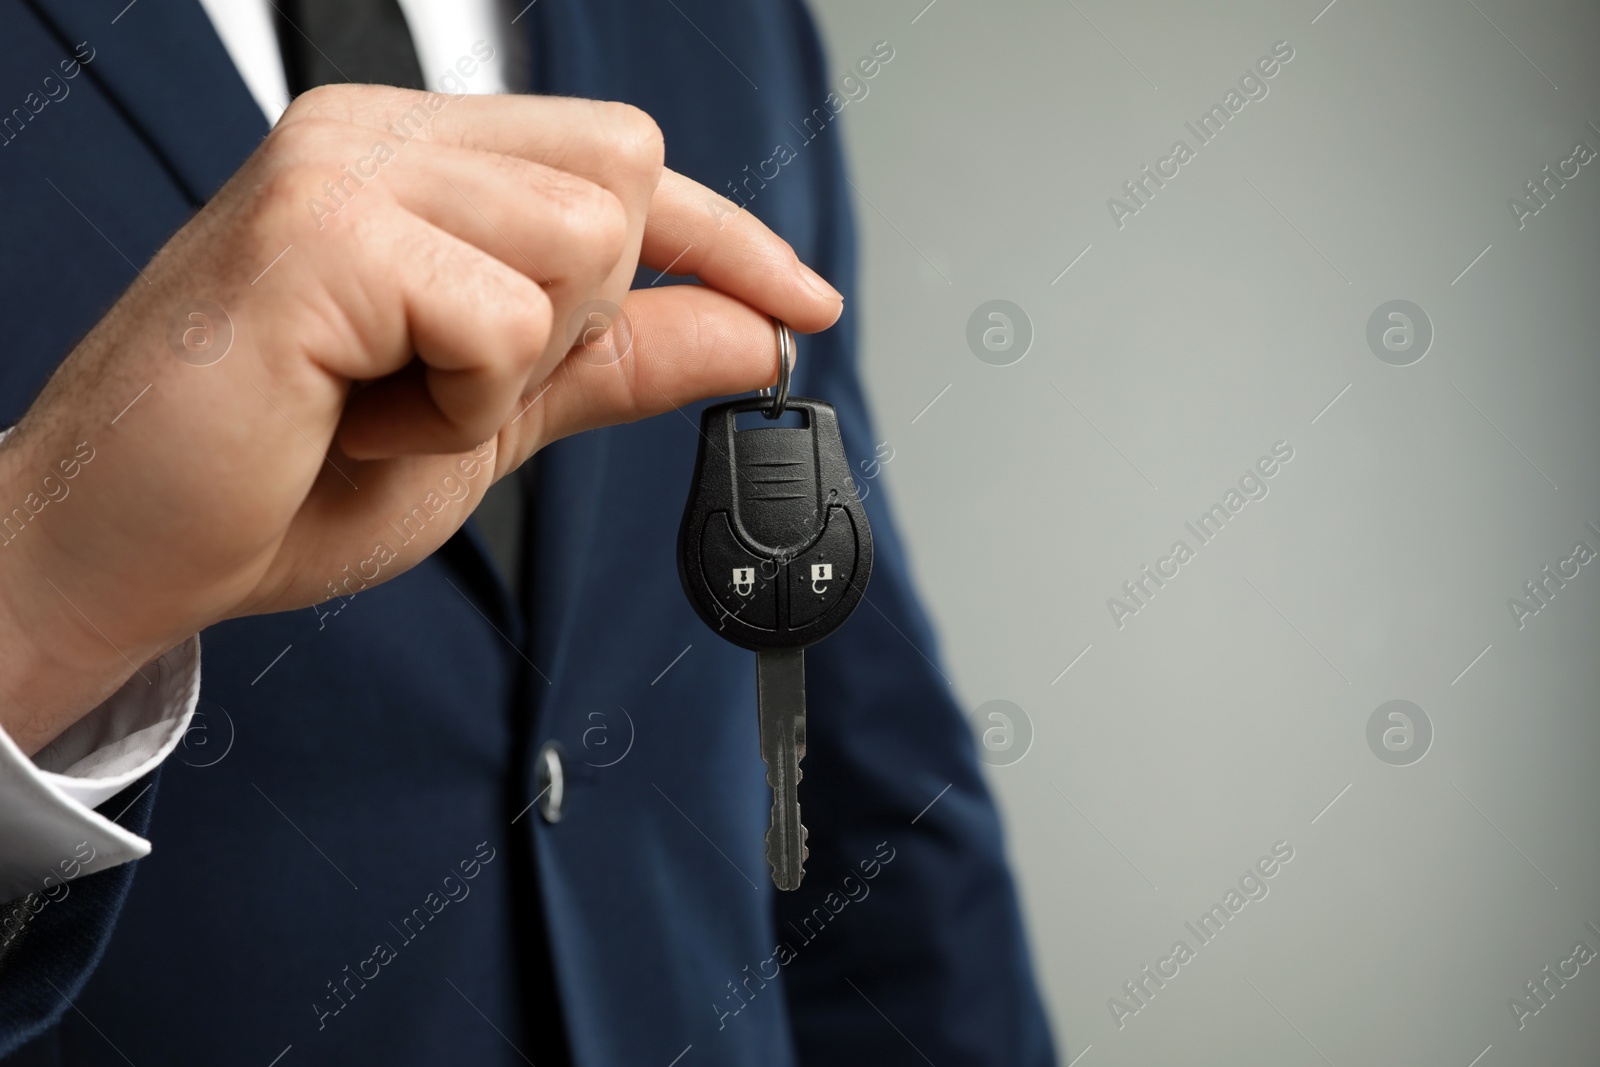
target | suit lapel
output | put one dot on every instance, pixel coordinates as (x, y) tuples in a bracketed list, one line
[(569, 491), (167, 69), (568, 499)]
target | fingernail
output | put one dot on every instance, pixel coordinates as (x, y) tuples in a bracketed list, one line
[(820, 285)]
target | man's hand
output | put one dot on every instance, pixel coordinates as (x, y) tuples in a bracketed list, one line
[(404, 277)]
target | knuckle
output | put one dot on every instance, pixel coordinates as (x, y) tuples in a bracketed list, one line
[(591, 221), (304, 170), (370, 238), (287, 188), (309, 103), (320, 102), (602, 228), (302, 140), (529, 319), (519, 330), (639, 144)]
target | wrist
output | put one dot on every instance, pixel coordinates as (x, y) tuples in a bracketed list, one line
[(56, 665)]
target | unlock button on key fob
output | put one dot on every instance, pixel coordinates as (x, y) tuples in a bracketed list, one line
[(819, 576)]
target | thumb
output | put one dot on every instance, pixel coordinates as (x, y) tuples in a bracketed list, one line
[(669, 347)]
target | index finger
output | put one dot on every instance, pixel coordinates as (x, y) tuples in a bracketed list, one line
[(614, 145), (692, 230), (688, 229)]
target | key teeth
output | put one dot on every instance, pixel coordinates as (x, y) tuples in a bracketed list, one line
[(774, 849)]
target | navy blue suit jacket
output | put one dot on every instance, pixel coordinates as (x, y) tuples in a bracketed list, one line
[(360, 878)]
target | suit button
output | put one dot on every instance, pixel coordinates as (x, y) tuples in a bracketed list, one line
[(550, 779)]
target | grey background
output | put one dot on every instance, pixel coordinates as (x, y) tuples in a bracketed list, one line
[(1224, 317)]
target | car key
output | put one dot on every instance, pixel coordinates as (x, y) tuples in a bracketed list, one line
[(774, 553)]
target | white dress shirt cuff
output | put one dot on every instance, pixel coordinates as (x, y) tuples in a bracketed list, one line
[(49, 830)]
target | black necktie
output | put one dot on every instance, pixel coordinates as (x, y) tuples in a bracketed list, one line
[(367, 41), (362, 41), (502, 516)]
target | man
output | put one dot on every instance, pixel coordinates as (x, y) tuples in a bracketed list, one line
[(440, 802)]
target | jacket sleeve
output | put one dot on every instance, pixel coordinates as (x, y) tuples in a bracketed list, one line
[(72, 819), (923, 956), (52, 940)]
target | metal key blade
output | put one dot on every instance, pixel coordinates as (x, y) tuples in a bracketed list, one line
[(781, 697)]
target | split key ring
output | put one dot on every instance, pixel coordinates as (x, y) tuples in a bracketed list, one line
[(785, 371)]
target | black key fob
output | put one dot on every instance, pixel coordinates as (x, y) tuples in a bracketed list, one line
[(774, 550)]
